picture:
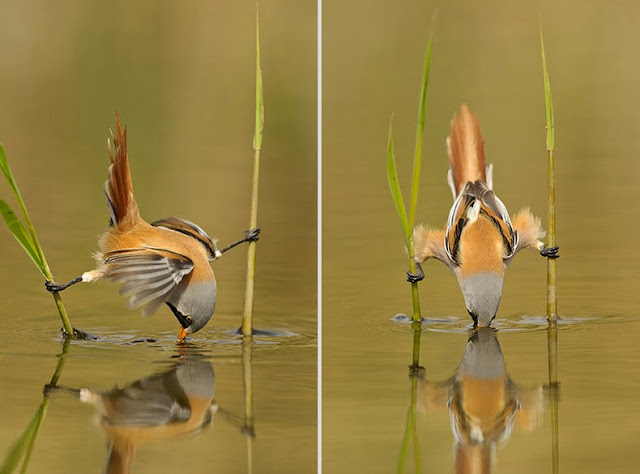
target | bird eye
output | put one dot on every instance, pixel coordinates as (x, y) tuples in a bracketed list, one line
[(189, 320)]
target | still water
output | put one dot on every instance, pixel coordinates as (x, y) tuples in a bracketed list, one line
[(182, 79), (483, 399)]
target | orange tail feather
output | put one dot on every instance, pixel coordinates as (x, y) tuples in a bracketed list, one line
[(118, 187), (465, 147)]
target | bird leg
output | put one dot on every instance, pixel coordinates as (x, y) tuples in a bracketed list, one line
[(53, 287), (249, 236), (92, 275), (417, 276)]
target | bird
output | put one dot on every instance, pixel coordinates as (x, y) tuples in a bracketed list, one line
[(165, 261), (479, 240)]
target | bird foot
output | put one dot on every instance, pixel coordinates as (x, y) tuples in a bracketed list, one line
[(48, 389), (252, 235), (415, 277), (417, 371), (550, 252), (53, 287)]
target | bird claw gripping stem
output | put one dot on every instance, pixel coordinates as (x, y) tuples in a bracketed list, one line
[(417, 276), (252, 235), (550, 252), (53, 287)]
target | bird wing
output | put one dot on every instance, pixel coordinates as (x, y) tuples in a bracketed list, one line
[(188, 228), (148, 275), (490, 206), (458, 218)]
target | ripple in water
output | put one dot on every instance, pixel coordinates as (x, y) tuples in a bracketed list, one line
[(524, 323)]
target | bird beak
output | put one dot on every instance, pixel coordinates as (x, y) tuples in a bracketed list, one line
[(182, 334)]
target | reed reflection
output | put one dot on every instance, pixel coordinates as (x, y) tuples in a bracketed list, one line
[(483, 402)]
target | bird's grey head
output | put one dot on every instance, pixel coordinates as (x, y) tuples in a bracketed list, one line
[(199, 319), (203, 296), (482, 293), (193, 304)]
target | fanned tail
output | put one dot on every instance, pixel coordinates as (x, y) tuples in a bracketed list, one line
[(118, 187), (465, 147)]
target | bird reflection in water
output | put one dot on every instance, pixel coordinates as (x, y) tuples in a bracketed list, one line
[(484, 404), (169, 404)]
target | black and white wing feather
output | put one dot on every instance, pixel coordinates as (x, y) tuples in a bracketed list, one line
[(148, 275)]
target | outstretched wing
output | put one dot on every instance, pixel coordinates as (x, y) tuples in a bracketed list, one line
[(148, 275)]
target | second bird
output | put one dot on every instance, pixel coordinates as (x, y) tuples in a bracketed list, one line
[(480, 239), (166, 261)]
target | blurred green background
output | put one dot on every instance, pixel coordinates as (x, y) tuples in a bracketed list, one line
[(486, 54), (182, 76)]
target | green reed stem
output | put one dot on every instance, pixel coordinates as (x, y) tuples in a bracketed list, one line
[(247, 315), (30, 244), (407, 221), (396, 195), (417, 332), (422, 114), (552, 295)]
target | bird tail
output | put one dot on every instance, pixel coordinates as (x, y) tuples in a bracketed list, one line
[(118, 188), (465, 147)]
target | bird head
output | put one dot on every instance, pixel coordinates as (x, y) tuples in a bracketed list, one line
[(482, 293)]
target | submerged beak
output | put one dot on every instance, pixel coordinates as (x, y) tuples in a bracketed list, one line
[(182, 334)]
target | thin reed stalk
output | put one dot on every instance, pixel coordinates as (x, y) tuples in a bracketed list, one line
[(396, 194), (28, 239), (247, 315), (408, 221), (415, 359), (552, 294)]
